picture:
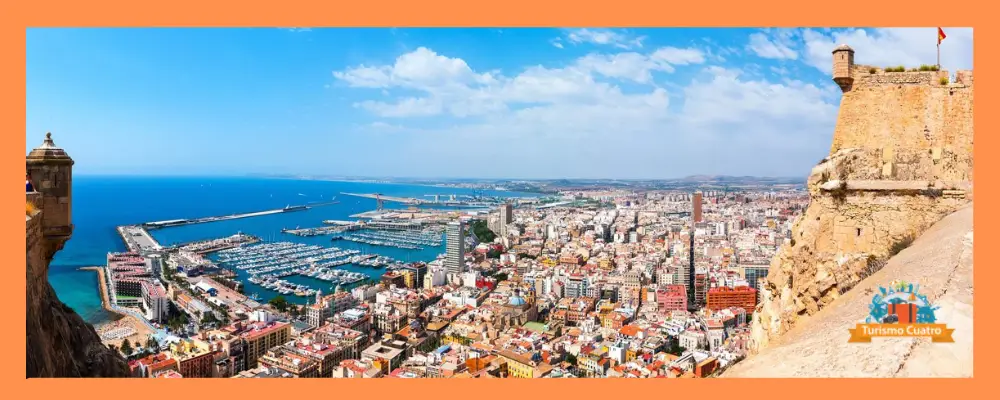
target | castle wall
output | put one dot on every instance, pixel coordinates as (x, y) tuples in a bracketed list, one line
[(59, 343), (901, 159), (906, 117)]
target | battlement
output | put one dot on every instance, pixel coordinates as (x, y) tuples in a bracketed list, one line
[(902, 125), (866, 76), (850, 76)]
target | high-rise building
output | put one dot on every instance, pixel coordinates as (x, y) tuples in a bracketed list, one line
[(696, 203), (506, 218), (454, 261)]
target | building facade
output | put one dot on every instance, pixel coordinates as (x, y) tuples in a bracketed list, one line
[(454, 261)]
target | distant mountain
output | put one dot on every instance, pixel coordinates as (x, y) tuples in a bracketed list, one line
[(740, 179)]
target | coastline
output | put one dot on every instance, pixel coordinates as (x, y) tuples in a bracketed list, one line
[(377, 182), (139, 331), (103, 288)]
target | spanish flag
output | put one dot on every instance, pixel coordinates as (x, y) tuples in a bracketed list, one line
[(941, 35)]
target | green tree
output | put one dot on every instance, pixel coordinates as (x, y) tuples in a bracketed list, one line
[(209, 318), (126, 347), (151, 343), (482, 232), (431, 344), (279, 303)]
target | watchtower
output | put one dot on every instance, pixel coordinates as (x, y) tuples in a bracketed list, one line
[(843, 64), (51, 170)]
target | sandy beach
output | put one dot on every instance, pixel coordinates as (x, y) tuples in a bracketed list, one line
[(124, 324)]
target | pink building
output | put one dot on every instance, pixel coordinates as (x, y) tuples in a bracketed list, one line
[(671, 298)]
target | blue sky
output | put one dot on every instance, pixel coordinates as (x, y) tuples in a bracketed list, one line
[(489, 103)]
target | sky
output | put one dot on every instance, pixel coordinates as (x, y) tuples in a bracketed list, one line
[(513, 103)]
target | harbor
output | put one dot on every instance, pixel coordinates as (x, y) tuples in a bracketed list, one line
[(339, 251)]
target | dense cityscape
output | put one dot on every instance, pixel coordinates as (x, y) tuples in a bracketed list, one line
[(592, 283)]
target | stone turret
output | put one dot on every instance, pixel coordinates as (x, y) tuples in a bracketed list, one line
[(843, 64), (59, 342), (51, 169)]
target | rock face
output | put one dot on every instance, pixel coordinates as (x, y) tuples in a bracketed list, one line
[(940, 260), (901, 160), (59, 342)]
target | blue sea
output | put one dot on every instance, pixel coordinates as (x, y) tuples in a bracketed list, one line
[(100, 203)]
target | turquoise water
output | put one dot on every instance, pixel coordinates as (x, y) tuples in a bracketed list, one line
[(100, 203)]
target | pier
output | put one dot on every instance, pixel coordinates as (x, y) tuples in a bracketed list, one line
[(137, 239), (180, 222), (202, 247), (380, 198), (339, 227)]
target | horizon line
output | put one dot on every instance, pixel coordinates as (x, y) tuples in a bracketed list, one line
[(359, 177)]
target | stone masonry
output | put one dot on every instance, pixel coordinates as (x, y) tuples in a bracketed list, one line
[(901, 160), (59, 342)]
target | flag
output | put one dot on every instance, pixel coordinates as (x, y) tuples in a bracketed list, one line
[(941, 35)]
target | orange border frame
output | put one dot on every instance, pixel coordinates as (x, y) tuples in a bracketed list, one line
[(17, 16)]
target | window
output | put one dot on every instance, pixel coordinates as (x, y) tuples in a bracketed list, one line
[(859, 231)]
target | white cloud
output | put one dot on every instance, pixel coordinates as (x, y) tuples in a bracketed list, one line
[(677, 56), (883, 47), (408, 107), (605, 37), (419, 69), (452, 86), (725, 121), (768, 48), (638, 67)]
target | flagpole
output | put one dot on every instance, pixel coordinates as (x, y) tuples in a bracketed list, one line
[(939, 54)]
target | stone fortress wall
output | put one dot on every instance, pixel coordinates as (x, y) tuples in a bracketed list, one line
[(901, 159), (59, 342)]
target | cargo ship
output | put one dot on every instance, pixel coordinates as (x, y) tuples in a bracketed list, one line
[(294, 208)]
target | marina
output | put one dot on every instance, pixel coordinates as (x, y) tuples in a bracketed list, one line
[(267, 264), (400, 240)]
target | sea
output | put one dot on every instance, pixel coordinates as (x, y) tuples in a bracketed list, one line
[(101, 203)]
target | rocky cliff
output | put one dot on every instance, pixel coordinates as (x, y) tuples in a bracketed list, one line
[(901, 160), (59, 342), (940, 260)]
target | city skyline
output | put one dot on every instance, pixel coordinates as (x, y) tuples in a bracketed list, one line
[(456, 103)]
